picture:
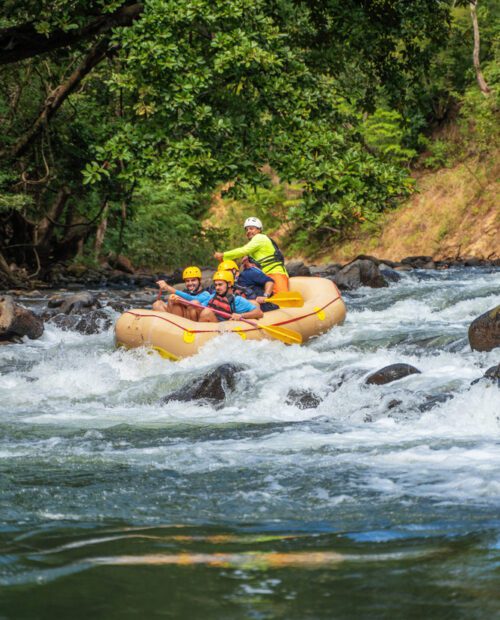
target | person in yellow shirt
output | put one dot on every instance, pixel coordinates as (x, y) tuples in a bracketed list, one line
[(263, 251)]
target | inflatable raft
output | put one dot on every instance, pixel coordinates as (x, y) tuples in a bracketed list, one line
[(176, 337)]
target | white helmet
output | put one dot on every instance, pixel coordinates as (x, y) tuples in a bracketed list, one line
[(253, 221)]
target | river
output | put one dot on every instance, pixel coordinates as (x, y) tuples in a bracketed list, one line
[(375, 504)]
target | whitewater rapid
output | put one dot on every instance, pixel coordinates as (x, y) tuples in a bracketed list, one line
[(86, 440)]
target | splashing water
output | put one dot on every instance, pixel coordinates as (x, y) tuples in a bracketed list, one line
[(379, 502)]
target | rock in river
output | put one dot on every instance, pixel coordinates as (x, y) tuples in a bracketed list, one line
[(303, 399), (391, 373), (361, 272), (213, 387), (484, 332), (16, 321)]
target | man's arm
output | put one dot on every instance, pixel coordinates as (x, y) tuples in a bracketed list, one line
[(250, 247)]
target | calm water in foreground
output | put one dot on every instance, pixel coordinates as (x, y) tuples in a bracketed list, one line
[(115, 506)]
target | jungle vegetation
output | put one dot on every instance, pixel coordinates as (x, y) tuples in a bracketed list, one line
[(119, 120)]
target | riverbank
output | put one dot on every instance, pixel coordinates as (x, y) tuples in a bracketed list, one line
[(453, 215)]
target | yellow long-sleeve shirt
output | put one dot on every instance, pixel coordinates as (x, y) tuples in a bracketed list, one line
[(259, 247)]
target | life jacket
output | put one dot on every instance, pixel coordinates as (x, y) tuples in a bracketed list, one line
[(276, 259), (245, 291), (225, 304)]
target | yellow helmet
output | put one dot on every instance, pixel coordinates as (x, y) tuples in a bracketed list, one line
[(191, 272), (227, 265), (227, 276)]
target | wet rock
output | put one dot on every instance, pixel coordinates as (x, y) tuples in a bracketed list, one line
[(297, 268), (73, 303), (119, 305), (16, 321), (303, 399), (418, 262), (390, 373), (389, 273), (484, 332), (377, 261), (213, 387), (492, 374), (432, 401), (395, 402), (358, 273), (93, 322)]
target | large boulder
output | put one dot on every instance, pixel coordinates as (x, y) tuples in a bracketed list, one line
[(16, 321), (484, 332), (302, 399), (297, 268), (360, 272), (419, 262), (214, 387), (393, 372)]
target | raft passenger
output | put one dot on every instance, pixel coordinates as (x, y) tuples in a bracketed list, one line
[(224, 299), (264, 252), (193, 292), (251, 282)]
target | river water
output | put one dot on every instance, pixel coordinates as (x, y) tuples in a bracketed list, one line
[(115, 506)]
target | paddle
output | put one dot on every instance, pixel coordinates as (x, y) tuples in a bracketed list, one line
[(288, 299), (288, 336)]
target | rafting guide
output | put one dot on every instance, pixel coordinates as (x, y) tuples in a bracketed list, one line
[(263, 251)]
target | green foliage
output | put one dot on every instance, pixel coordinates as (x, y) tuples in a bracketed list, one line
[(161, 232), (332, 96), (383, 132), (438, 153)]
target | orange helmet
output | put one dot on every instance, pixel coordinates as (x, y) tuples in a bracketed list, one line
[(227, 265), (191, 272), (227, 276)]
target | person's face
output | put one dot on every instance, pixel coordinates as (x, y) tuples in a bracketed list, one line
[(221, 287), (192, 283), (251, 231)]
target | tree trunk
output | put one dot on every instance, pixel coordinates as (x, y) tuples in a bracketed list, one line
[(47, 226), (485, 89), (101, 231), (7, 278)]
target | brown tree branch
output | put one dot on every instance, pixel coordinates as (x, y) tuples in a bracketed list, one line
[(20, 42), (56, 99)]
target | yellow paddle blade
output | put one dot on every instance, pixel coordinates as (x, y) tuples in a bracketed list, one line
[(288, 299), (288, 336)]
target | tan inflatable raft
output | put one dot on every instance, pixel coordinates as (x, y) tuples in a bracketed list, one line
[(176, 337)]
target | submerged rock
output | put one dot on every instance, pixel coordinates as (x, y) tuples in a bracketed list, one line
[(432, 401), (93, 322), (492, 374), (359, 273), (393, 372), (73, 303), (303, 399), (213, 387), (484, 332), (16, 321)]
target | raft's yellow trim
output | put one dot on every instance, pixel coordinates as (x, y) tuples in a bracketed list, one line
[(166, 355), (240, 332), (320, 313), (188, 336)]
